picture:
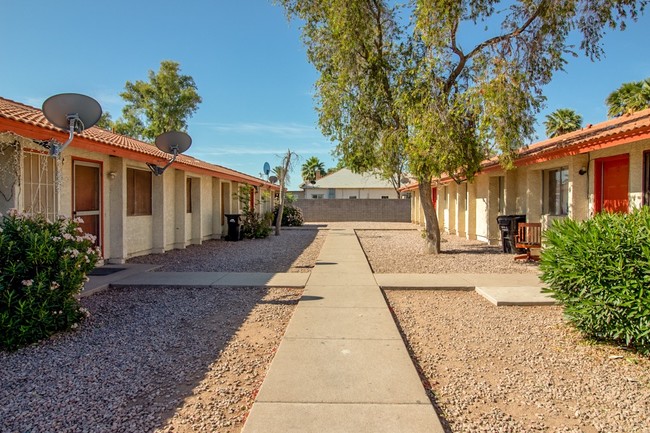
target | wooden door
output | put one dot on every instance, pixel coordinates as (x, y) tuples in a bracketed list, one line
[(87, 199), (612, 184)]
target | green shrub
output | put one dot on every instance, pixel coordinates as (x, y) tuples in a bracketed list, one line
[(43, 265), (291, 215), (253, 226), (600, 270)]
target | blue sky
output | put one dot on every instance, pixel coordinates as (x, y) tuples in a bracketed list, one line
[(248, 63)]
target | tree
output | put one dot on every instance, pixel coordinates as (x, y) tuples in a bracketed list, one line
[(395, 84), (562, 121), (105, 122), (312, 169), (628, 98), (283, 177), (162, 104)]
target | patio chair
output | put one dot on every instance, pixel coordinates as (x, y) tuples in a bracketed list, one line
[(528, 237)]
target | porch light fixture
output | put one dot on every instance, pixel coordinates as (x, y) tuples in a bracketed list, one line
[(71, 112), (174, 143), (582, 171)]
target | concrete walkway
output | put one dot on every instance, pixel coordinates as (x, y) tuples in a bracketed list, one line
[(499, 289), (342, 365)]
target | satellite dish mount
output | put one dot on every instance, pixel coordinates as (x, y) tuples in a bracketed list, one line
[(71, 112), (174, 143)]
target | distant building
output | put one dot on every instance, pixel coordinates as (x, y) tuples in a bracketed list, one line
[(344, 184)]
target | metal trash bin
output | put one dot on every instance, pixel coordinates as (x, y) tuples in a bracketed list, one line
[(508, 225), (234, 231)]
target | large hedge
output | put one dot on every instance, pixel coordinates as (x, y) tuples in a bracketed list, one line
[(43, 265), (599, 270)]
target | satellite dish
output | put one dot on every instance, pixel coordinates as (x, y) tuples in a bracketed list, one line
[(71, 112), (405, 180), (173, 142), (267, 168), (61, 109), (273, 179)]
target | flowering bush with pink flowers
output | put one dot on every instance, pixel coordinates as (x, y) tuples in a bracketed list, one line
[(43, 265)]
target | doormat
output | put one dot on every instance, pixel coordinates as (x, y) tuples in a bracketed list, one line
[(101, 272)]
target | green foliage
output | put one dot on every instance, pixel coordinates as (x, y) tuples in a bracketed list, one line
[(162, 104), (600, 270), (312, 168), (562, 121), (43, 266), (105, 121), (395, 85), (253, 226), (291, 215), (628, 98)]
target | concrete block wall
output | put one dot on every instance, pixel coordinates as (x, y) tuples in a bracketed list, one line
[(383, 210)]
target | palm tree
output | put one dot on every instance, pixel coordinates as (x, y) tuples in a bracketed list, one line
[(562, 121), (312, 168), (628, 98)]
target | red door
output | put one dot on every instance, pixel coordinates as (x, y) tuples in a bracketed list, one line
[(87, 197), (434, 197), (612, 183)]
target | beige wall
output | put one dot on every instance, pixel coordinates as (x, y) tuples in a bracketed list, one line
[(346, 193), (524, 193)]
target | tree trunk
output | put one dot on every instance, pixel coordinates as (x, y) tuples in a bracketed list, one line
[(431, 227), (285, 169)]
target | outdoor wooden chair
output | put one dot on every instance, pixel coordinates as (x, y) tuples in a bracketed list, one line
[(528, 237)]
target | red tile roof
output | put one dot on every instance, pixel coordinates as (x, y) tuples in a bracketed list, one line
[(620, 130), (32, 116)]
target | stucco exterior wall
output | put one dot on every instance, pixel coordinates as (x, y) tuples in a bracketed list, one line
[(346, 193), (355, 210), (524, 191)]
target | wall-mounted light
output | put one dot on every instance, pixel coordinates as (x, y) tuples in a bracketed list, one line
[(111, 174), (174, 143), (71, 112), (582, 171)]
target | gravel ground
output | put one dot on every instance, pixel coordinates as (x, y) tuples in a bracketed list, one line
[(519, 369), (295, 250), (149, 360), (400, 251)]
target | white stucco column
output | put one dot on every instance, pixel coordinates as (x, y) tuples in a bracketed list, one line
[(579, 187), (470, 215), (216, 208), (534, 196), (158, 214), (116, 236), (461, 204), (493, 211), (197, 212), (179, 210)]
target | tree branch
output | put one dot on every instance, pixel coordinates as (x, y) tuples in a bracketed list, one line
[(463, 58)]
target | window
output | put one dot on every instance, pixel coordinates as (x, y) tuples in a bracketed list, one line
[(557, 182), (646, 178), (188, 195), (384, 196), (317, 196), (352, 197), (39, 172), (138, 192)]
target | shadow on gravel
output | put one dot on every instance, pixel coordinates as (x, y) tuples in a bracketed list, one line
[(273, 254), (130, 365)]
